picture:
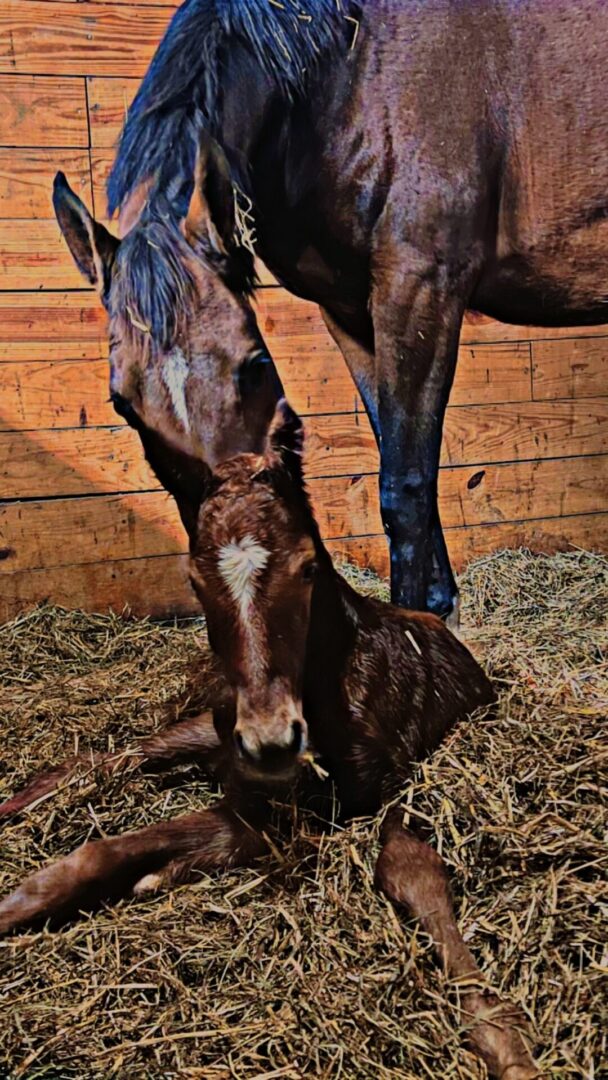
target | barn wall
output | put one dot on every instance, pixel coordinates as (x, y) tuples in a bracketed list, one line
[(82, 520)]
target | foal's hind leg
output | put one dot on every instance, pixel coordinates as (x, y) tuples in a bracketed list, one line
[(118, 866), (190, 739), (412, 873)]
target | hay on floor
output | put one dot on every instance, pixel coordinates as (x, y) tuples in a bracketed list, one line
[(300, 969)]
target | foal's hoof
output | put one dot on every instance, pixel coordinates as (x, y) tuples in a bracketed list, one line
[(148, 884)]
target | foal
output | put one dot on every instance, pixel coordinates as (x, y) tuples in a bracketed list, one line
[(315, 671)]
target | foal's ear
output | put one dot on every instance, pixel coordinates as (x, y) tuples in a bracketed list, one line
[(93, 247), (285, 440), (210, 214)]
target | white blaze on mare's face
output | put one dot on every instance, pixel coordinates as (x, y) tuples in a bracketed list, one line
[(174, 374), (240, 563)]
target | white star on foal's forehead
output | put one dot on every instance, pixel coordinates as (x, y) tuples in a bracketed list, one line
[(240, 562)]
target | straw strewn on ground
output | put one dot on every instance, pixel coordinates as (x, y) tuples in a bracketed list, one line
[(301, 969)]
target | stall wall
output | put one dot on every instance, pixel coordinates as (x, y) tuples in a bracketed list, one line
[(82, 520)]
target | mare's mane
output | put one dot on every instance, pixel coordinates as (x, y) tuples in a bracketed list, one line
[(183, 90), (153, 287)]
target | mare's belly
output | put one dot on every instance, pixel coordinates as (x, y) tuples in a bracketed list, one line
[(546, 289)]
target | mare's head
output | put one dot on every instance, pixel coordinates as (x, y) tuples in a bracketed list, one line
[(187, 360), (253, 565)]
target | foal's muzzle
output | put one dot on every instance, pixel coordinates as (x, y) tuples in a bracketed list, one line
[(270, 746)]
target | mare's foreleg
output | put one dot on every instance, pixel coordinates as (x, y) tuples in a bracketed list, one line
[(412, 873), (417, 309), (108, 869), (361, 363), (188, 740)]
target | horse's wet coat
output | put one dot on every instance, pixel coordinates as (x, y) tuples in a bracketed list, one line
[(404, 161)]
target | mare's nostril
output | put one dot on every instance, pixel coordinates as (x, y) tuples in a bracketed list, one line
[(240, 744), (297, 739)]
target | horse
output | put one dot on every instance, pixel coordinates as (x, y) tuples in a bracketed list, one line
[(329, 694), (404, 161), (189, 369)]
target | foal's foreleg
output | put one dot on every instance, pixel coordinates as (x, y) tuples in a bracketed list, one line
[(412, 873), (115, 867), (190, 739)]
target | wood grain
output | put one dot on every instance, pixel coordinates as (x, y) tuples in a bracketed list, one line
[(38, 352), (42, 110), (60, 38), (157, 586), (34, 255), (109, 100), (143, 523), (480, 329), (73, 460), (26, 181), (570, 369), (61, 316)]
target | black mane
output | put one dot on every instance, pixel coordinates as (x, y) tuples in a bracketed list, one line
[(152, 285), (181, 94)]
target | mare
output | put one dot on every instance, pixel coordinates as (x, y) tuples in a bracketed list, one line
[(405, 161), (184, 341), (328, 693)]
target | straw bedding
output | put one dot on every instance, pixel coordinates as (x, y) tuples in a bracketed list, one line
[(296, 967)]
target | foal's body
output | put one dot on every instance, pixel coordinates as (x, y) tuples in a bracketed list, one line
[(309, 663), (405, 161)]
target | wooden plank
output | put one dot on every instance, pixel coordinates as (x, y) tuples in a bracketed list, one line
[(544, 535), (17, 352), (149, 586), (34, 255), (77, 460), (159, 586), (26, 180), (525, 430), (480, 329), (309, 359), (61, 38), (61, 316), (473, 434), (59, 394), (43, 110), (570, 369), (109, 100), (137, 524)]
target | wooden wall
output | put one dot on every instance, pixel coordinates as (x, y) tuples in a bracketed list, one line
[(82, 520)]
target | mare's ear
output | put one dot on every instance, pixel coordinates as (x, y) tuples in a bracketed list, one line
[(210, 214), (93, 247), (285, 440)]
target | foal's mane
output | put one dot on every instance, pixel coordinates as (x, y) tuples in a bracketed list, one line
[(182, 92)]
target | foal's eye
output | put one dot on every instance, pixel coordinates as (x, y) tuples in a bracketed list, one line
[(309, 570)]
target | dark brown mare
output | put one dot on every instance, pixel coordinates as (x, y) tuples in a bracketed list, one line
[(405, 161), (321, 685)]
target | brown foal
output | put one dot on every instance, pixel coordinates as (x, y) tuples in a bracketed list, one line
[(325, 687)]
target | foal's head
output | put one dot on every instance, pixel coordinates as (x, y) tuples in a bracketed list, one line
[(253, 565), (187, 359)]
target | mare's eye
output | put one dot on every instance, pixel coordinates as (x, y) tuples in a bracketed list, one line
[(308, 570), (253, 370)]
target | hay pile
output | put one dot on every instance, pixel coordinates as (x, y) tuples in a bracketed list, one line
[(301, 969)]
